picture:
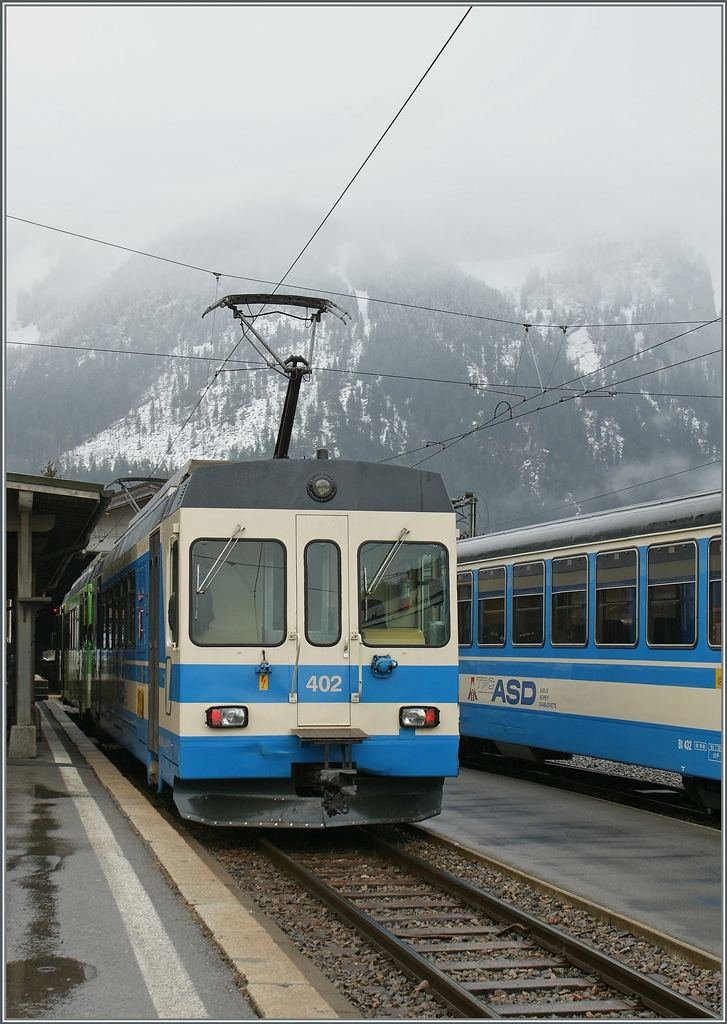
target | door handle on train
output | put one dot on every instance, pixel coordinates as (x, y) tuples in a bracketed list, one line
[(168, 686)]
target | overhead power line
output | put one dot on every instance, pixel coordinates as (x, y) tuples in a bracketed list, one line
[(376, 146), (303, 288), (247, 365), (500, 418)]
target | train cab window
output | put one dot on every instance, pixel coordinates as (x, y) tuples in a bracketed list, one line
[(464, 608), (491, 607), (237, 592), (569, 601), (715, 592), (322, 593), (616, 605), (671, 608), (528, 603), (403, 594)]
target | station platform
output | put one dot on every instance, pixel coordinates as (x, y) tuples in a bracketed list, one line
[(110, 914), (659, 878)]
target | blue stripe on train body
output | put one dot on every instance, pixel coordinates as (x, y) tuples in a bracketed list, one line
[(249, 757), (219, 684)]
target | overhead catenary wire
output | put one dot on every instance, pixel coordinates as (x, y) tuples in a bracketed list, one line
[(246, 331), (371, 298), (498, 418), (248, 365), (456, 438), (375, 147)]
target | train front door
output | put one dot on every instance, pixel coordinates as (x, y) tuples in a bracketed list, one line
[(323, 682)]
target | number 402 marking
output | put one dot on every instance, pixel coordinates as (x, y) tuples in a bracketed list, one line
[(325, 684)]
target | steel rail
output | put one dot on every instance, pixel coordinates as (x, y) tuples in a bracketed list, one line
[(454, 996), (653, 994)]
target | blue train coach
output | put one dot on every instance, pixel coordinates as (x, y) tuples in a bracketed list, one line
[(275, 641), (599, 635)]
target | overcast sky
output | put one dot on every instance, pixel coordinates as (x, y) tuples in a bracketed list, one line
[(131, 123)]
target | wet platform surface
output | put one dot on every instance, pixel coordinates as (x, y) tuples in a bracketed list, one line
[(664, 874), (104, 912)]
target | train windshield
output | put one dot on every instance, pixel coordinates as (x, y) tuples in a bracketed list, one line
[(403, 594), (243, 600)]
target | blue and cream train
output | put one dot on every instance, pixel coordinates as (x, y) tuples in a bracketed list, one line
[(599, 635), (276, 641)]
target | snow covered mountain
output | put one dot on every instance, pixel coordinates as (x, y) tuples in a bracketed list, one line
[(481, 384)]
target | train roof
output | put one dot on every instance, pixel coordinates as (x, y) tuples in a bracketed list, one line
[(691, 512), (284, 484)]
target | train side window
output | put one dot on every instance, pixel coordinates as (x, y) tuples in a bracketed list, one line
[(715, 592), (131, 611), (322, 593), (671, 604), (237, 592), (491, 607), (173, 604), (116, 643), (404, 594), (616, 604), (464, 608), (98, 619), (528, 603), (103, 621), (109, 618), (569, 601), (123, 601), (82, 620)]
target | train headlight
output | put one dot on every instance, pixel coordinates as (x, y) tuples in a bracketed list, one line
[(321, 487), (419, 717), (226, 718)]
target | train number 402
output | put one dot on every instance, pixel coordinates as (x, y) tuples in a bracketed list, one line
[(326, 684)]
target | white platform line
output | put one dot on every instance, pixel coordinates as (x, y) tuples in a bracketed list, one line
[(168, 983)]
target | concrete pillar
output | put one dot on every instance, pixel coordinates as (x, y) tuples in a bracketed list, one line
[(22, 734)]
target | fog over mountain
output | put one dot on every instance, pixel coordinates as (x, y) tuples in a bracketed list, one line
[(529, 420)]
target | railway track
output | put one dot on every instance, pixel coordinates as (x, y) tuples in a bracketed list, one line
[(657, 797), (478, 955)]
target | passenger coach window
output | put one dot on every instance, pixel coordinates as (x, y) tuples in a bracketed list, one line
[(116, 612), (616, 598), (671, 610), (569, 590), (464, 608), (322, 592), (123, 602), (403, 594), (131, 614), (715, 593), (528, 603), (237, 592), (491, 607)]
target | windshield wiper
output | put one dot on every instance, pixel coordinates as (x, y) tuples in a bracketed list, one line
[(385, 564), (201, 587)]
